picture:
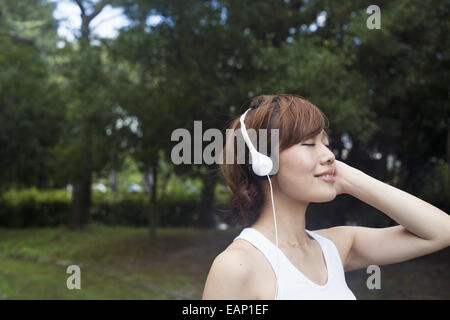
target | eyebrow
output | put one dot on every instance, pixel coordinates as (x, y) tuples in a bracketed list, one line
[(325, 135)]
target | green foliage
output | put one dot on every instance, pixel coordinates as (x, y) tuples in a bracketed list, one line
[(31, 208), (404, 64), (436, 186), (15, 197), (39, 208), (84, 144), (318, 70), (29, 23), (30, 101), (30, 116)]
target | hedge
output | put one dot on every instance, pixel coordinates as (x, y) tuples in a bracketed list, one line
[(37, 208)]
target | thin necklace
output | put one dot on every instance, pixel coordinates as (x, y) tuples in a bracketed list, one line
[(294, 244), (291, 243)]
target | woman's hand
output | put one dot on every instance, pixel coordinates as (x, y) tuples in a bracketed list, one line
[(343, 177)]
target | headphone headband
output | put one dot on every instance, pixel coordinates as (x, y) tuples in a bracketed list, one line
[(261, 164)]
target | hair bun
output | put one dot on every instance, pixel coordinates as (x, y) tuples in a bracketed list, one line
[(247, 200)]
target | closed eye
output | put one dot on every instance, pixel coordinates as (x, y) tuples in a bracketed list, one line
[(313, 144)]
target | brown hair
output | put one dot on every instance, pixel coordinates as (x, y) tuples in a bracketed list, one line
[(297, 120)]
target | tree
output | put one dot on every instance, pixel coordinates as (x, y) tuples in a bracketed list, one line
[(31, 112), (404, 63), (89, 111)]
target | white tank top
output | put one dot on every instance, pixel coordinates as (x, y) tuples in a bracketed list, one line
[(294, 285)]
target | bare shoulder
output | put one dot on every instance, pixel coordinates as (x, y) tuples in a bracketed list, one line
[(231, 273), (341, 236)]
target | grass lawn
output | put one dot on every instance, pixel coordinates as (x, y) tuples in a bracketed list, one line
[(116, 262), (123, 263)]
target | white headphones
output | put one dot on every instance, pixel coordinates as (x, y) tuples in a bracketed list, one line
[(261, 166)]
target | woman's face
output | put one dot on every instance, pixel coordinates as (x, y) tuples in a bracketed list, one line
[(298, 167)]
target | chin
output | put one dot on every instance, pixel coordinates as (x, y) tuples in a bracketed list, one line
[(330, 196)]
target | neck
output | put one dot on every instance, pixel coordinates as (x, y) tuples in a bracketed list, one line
[(290, 216)]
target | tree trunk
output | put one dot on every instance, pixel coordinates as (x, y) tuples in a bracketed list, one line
[(150, 184), (87, 18), (81, 199), (153, 203), (206, 212), (81, 202), (113, 181)]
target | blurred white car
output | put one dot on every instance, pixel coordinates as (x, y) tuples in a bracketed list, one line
[(99, 187), (134, 187)]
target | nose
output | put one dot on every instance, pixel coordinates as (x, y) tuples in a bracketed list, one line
[(328, 156)]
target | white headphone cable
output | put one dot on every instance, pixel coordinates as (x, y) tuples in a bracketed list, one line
[(276, 236)]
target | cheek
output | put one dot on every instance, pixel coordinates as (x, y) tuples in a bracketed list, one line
[(294, 164), (296, 171), (295, 160), (296, 178)]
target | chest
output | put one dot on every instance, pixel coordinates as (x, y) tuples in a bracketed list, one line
[(311, 264)]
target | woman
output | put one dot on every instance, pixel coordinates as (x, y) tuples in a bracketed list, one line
[(279, 258)]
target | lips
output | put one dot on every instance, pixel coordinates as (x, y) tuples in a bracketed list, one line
[(326, 178), (328, 172)]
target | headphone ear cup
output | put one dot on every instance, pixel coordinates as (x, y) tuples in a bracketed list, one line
[(261, 164)]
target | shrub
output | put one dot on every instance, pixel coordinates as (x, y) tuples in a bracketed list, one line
[(38, 208), (33, 208)]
